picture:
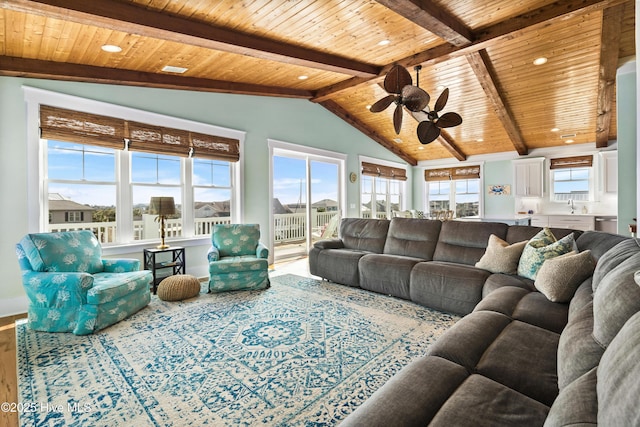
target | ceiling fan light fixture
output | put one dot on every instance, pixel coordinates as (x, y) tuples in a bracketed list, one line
[(111, 48)]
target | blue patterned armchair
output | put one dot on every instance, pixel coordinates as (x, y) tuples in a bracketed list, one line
[(237, 259), (72, 289)]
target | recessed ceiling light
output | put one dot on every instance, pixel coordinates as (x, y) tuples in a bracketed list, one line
[(172, 69), (397, 140), (479, 140), (303, 77), (568, 141), (111, 48), (555, 129), (421, 147), (383, 42), (440, 88), (368, 107), (540, 61)]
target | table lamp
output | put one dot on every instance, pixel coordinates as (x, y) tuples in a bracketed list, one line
[(162, 206)]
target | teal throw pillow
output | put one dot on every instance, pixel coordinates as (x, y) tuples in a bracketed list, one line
[(541, 247)]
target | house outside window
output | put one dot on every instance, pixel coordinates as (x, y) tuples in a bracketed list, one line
[(212, 193), (571, 178)]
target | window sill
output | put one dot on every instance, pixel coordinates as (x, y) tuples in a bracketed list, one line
[(137, 247)]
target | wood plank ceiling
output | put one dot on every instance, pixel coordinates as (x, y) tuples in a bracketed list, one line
[(482, 50)]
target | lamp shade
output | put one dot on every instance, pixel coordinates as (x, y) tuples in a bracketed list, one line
[(162, 206)]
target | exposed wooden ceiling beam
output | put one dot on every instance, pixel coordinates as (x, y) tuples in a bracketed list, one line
[(609, 48), (33, 68), (432, 17), (339, 111), (129, 18), (509, 29), (449, 144), (483, 69)]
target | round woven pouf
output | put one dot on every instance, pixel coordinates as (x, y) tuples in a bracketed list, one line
[(178, 287)]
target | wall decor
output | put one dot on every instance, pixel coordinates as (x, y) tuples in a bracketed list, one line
[(499, 190)]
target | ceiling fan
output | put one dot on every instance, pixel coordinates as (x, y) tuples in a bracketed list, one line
[(399, 84)]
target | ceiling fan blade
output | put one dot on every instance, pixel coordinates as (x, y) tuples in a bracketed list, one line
[(449, 120), (427, 132), (442, 100), (382, 104), (397, 78), (397, 119), (414, 98)]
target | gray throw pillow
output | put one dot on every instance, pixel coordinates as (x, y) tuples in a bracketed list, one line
[(559, 277), (500, 256)]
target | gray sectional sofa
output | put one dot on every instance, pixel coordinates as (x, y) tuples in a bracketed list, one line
[(515, 358)]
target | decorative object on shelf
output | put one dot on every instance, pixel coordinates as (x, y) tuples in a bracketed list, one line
[(163, 207), (399, 85), (499, 190)]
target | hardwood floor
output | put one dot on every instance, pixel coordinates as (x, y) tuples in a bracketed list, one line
[(8, 369)]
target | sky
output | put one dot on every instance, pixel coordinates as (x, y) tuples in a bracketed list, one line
[(68, 161)]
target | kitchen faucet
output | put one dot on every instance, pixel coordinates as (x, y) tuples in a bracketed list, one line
[(573, 208)]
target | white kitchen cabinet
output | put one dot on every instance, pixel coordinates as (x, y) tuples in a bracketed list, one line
[(528, 177), (575, 222), (540, 220), (610, 171)]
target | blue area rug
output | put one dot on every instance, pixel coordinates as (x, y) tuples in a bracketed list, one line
[(302, 353)]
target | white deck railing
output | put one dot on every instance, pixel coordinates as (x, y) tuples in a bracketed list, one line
[(288, 227)]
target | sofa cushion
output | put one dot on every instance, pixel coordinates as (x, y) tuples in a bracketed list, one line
[(386, 274), (614, 257), (465, 242), (541, 248), (366, 235), (598, 242), (500, 256), (406, 399), (337, 265), (615, 300), (67, 251), (577, 351), (451, 287), (109, 287), (497, 281), (415, 238), (559, 278), (577, 404), (582, 297), (526, 306), (481, 401), (618, 386), (518, 233)]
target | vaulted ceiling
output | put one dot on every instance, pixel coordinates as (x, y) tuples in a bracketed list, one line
[(337, 53)]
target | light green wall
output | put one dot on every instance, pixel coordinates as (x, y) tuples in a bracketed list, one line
[(289, 120), (627, 146), (498, 173)]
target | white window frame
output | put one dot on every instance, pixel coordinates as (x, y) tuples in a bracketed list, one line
[(403, 186), (591, 179), (37, 199), (452, 189)]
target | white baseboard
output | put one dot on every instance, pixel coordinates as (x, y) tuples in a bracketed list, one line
[(11, 306)]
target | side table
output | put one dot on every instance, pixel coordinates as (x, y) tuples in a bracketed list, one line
[(164, 263)]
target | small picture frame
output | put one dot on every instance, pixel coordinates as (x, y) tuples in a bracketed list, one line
[(499, 190)]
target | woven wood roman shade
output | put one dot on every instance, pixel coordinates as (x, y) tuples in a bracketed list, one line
[(572, 162), (381, 171), (445, 174), (85, 128)]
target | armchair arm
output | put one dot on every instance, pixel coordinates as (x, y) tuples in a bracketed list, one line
[(329, 244), (262, 251), (122, 265), (213, 254), (45, 289)]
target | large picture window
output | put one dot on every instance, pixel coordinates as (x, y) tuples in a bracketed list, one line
[(382, 190), (100, 174), (571, 178)]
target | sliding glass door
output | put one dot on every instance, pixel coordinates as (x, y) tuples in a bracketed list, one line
[(307, 199)]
